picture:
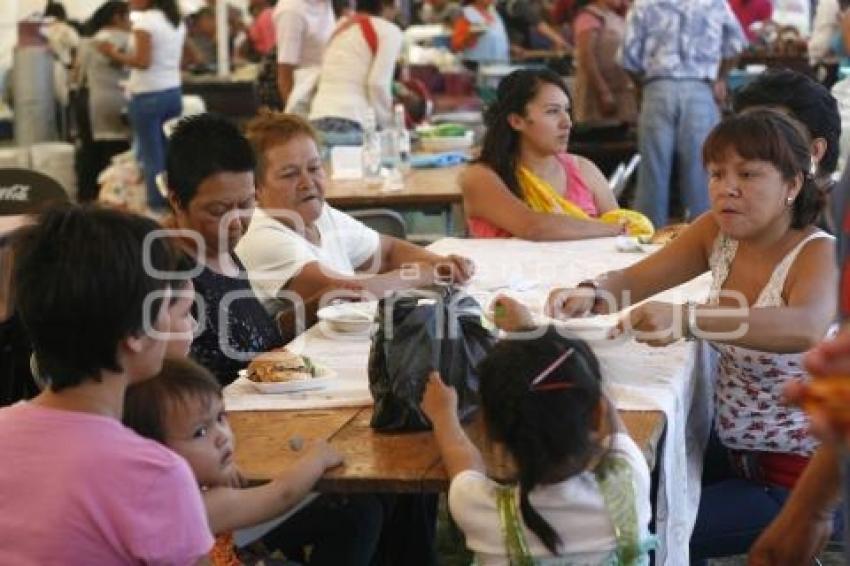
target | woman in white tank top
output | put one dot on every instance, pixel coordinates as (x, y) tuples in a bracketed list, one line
[(772, 298)]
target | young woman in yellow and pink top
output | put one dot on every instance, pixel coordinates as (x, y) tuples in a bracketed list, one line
[(525, 184)]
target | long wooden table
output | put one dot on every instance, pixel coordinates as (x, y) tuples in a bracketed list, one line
[(430, 187), (401, 462), (425, 190)]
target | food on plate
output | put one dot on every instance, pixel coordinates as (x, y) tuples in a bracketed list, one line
[(667, 234), (636, 223), (830, 397), (280, 365)]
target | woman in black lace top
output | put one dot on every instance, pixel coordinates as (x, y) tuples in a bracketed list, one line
[(210, 177), (248, 329)]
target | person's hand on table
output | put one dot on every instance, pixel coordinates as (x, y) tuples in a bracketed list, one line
[(570, 302), (510, 315), (654, 323), (319, 450), (439, 401), (454, 269), (235, 479)]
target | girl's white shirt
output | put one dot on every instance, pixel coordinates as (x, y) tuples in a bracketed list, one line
[(575, 508)]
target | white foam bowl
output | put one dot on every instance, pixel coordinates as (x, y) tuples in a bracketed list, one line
[(348, 318), (447, 143)]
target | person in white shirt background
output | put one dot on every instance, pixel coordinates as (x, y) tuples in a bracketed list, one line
[(103, 78), (826, 31), (63, 41), (303, 28), (155, 95), (357, 73)]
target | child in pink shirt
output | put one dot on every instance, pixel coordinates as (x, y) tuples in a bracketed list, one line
[(77, 487)]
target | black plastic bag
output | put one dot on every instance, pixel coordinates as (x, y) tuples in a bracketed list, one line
[(420, 331)]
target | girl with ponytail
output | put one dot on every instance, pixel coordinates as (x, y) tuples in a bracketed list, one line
[(580, 490)]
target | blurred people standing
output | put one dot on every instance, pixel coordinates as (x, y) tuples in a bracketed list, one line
[(155, 95), (303, 28), (749, 12), (680, 53), (443, 12), (603, 90), (102, 79), (261, 31), (357, 74), (827, 39), (528, 26), (63, 41), (202, 36), (480, 35)]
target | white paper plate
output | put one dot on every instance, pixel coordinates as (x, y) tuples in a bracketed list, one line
[(324, 376), (348, 318)]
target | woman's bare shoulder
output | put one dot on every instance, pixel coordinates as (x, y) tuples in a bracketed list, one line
[(478, 176)]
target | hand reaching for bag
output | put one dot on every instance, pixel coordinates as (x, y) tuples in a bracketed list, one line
[(510, 315), (439, 400), (454, 269)]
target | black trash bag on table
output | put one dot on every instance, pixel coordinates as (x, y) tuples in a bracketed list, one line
[(420, 331)]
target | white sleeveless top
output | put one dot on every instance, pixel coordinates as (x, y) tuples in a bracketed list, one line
[(749, 411)]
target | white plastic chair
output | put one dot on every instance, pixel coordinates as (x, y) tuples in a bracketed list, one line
[(622, 175)]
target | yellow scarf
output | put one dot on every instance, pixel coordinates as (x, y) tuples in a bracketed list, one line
[(540, 196)]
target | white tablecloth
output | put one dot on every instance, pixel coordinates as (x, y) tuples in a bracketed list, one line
[(638, 377)]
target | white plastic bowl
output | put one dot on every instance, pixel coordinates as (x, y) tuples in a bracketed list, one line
[(348, 318), (447, 143)]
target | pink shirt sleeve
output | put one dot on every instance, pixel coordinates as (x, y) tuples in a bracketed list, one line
[(585, 22), (170, 524)]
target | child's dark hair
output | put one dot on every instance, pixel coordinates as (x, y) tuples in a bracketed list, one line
[(500, 147), (547, 428), (180, 381)]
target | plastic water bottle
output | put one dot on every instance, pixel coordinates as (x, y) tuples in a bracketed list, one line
[(371, 149), (394, 178), (403, 139)]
